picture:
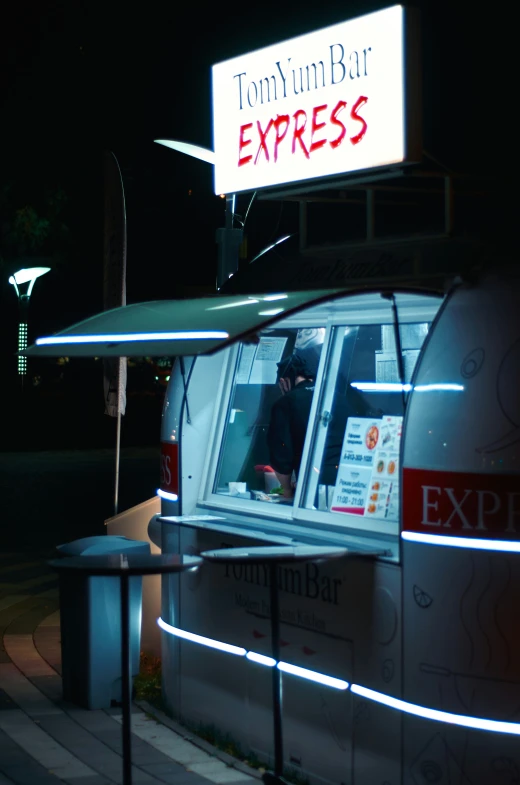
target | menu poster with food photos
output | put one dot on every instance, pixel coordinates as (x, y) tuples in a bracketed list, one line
[(355, 470), (360, 441), (371, 451)]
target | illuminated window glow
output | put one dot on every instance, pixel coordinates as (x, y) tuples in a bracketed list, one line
[(171, 497), (191, 335), (463, 542)]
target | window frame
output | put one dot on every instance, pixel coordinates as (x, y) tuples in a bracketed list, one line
[(319, 521)]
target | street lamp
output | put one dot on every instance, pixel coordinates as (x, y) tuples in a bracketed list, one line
[(23, 282), (229, 239)]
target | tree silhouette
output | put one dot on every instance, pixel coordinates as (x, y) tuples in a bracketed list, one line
[(32, 227)]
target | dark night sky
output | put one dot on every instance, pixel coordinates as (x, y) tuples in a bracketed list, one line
[(79, 78)]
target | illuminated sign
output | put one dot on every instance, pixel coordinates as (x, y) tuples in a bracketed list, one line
[(335, 101)]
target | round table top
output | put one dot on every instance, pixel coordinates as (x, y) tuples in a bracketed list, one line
[(127, 563), (262, 554)]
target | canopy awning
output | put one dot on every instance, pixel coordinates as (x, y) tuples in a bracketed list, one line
[(168, 328)]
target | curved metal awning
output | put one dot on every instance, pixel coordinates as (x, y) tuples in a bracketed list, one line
[(168, 328)]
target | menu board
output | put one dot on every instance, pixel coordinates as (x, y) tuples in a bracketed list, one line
[(368, 475)]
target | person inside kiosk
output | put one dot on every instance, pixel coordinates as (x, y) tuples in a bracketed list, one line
[(290, 415), (273, 385)]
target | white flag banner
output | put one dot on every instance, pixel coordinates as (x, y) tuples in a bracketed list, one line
[(114, 383)]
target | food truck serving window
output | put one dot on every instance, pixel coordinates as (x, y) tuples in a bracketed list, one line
[(263, 438), (315, 411)]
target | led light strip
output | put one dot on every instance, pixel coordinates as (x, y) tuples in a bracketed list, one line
[(477, 723), (171, 497), (261, 659), (191, 636), (321, 678), (395, 387), (190, 335), (480, 544)]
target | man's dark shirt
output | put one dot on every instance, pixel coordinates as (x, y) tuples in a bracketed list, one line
[(287, 428)]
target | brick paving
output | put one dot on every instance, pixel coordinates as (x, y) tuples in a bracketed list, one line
[(45, 740)]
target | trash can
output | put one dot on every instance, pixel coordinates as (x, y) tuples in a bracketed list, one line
[(90, 622)]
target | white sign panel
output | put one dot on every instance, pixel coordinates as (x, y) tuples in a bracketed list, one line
[(368, 474), (326, 103)]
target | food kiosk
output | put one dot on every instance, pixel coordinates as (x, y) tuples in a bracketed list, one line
[(399, 666), (400, 663), (427, 473)]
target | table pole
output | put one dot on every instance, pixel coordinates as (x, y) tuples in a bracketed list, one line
[(126, 671), (277, 674)]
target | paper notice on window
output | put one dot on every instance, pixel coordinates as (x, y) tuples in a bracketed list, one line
[(387, 369), (383, 495), (368, 474), (361, 439), (391, 430), (351, 489), (410, 357), (411, 336), (257, 364), (383, 500), (247, 355), (268, 353)]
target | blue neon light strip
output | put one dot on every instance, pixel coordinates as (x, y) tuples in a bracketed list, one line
[(171, 497), (261, 659), (303, 673), (191, 335), (477, 723), (395, 387), (191, 636), (508, 546)]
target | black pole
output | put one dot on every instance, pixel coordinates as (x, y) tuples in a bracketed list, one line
[(126, 671), (277, 674)]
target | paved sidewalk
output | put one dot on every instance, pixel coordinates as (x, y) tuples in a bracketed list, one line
[(45, 740)]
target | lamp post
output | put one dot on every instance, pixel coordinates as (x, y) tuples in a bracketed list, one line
[(23, 282), (229, 238)]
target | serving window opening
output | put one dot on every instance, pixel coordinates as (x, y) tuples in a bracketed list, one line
[(268, 413), (326, 451)]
